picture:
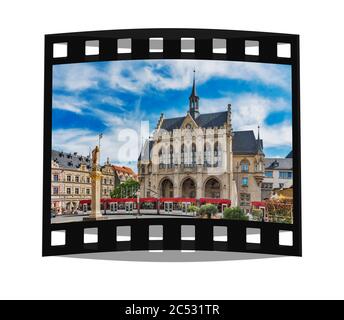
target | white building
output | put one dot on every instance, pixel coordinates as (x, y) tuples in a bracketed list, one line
[(278, 174)]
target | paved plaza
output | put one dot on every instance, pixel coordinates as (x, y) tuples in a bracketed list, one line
[(77, 218)]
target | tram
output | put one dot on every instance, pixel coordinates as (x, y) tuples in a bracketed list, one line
[(167, 206)]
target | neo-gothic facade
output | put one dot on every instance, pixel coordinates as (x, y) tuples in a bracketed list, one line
[(200, 156)]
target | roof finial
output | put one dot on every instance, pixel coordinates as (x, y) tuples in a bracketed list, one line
[(229, 117), (193, 93), (260, 142)]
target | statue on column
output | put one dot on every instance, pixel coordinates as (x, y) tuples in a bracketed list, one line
[(95, 157)]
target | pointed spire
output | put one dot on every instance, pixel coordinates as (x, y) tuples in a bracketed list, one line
[(193, 99), (193, 92), (259, 141), (229, 116)]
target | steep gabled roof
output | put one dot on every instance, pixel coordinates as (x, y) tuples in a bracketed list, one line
[(70, 160), (206, 120), (124, 169), (290, 154), (172, 123), (278, 163), (145, 153), (244, 142)]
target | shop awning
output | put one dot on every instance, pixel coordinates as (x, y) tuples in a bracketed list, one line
[(215, 200), (193, 200), (148, 199), (85, 201), (122, 200), (258, 203)]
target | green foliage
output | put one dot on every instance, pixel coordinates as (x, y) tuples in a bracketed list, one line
[(193, 209), (235, 213), (257, 214), (280, 211), (208, 210), (126, 189)]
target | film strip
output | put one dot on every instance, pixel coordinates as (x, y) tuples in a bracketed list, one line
[(186, 44)]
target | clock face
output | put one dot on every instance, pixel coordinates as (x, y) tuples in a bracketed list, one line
[(188, 126)]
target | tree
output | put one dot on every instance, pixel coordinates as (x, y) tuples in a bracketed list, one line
[(208, 210), (126, 189), (257, 214), (235, 213), (280, 210), (193, 209)]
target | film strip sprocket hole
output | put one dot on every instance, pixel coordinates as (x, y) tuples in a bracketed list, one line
[(156, 45), (158, 234)]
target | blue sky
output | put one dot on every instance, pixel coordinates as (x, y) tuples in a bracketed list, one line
[(124, 99)]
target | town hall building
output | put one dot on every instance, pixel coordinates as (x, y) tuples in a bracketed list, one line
[(199, 156)]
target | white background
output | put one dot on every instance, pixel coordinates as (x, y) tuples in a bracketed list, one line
[(25, 274)]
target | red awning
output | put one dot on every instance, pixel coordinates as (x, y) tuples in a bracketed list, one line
[(122, 200), (193, 200), (258, 203), (148, 199), (214, 200), (85, 201)]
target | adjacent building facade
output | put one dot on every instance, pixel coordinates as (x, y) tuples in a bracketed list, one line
[(71, 181), (200, 156), (278, 175)]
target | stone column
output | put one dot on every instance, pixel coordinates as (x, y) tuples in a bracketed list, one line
[(96, 188), (96, 191)]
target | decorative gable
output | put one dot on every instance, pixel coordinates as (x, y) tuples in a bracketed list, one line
[(189, 122)]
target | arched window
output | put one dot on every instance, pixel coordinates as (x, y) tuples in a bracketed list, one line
[(171, 156), (212, 189), (258, 166), (161, 159), (183, 154), (193, 154), (244, 164), (217, 155), (207, 155)]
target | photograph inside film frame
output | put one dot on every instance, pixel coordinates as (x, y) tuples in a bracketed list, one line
[(172, 138)]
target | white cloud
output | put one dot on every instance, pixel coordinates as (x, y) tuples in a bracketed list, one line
[(114, 102), (277, 135), (251, 110), (137, 76), (73, 140), (75, 77), (122, 134), (69, 103)]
